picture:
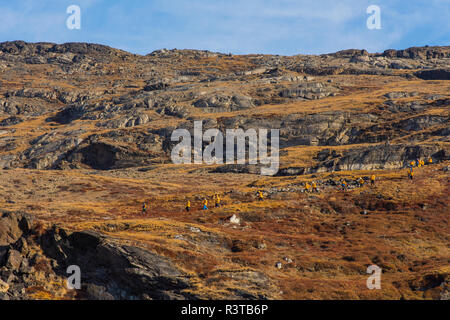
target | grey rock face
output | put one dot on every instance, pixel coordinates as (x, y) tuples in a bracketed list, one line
[(369, 158), (310, 91), (109, 270), (13, 226), (223, 102), (10, 121), (438, 74), (112, 271), (49, 149), (399, 95)]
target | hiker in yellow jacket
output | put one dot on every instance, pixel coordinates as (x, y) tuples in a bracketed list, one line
[(188, 206), (430, 160), (260, 196), (419, 163), (411, 173), (307, 187), (205, 204), (314, 187), (372, 180), (144, 208), (217, 201)]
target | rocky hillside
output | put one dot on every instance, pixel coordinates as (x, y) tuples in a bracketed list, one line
[(85, 138)]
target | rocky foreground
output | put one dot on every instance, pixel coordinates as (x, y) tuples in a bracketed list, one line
[(35, 260), (85, 138)]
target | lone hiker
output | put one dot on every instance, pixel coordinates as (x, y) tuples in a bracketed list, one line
[(260, 196), (188, 206), (144, 208), (205, 203), (344, 185), (307, 187), (372, 180), (217, 201), (410, 173)]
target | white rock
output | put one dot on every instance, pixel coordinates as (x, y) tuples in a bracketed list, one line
[(194, 229), (234, 219)]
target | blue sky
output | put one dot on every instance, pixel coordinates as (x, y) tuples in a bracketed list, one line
[(284, 27)]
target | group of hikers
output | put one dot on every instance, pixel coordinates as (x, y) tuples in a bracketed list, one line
[(360, 182), (417, 163), (309, 188), (216, 198)]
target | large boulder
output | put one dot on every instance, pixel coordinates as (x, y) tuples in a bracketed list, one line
[(113, 271), (13, 226)]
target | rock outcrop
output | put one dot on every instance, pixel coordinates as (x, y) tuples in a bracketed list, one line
[(30, 257)]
